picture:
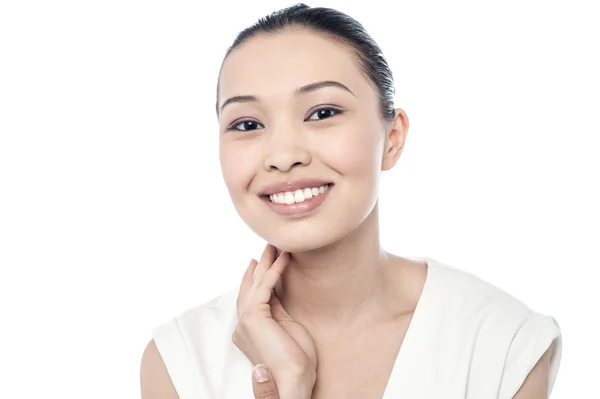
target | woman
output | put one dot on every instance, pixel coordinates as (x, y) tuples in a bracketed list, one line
[(307, 125)]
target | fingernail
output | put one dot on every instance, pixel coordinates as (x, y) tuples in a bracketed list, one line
[(260, 373)]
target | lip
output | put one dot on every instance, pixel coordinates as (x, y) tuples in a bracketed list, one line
[(292, 185), (298, 209)]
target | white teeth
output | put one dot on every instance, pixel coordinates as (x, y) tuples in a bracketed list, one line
[(289, 198), (299, 196), (294, 197)]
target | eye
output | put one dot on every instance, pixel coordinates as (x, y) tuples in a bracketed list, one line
[(324, 113), (245, 126)]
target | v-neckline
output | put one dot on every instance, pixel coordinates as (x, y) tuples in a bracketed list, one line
[(394, 383)]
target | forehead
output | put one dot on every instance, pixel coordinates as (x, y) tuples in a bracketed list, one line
[(271, 64)]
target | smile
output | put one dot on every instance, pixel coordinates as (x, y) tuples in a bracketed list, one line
[(297, 202), (298, 196)]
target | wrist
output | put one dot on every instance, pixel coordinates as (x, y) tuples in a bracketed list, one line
[(295, 393), (296, 389)]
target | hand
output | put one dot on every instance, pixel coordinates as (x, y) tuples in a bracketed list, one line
[(266, 333), (263, 384)]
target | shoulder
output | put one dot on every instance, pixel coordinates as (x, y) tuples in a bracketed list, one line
[(198, 320), (192, 345), (500, 337), (154, 379), (467, 295)]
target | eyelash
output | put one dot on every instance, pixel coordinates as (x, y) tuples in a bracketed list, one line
[(336, 111)]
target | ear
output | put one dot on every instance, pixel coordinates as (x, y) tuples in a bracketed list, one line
[(395, 138)]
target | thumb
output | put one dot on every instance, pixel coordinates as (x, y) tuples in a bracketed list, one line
[(263, 384)]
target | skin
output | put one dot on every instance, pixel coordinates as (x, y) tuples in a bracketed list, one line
[(265, 389), (337, 269), (267, 334), (336, 278)]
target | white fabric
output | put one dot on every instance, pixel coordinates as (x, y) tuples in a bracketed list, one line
[(467, 339)]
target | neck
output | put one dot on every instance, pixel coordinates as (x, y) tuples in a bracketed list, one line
[(334, 285)]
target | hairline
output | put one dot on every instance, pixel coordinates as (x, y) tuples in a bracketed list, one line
[(351, 47)]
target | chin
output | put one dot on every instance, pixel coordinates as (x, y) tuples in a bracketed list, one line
[(311, 233), (298, 245), (298, 239)]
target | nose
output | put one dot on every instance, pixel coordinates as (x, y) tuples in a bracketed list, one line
[(285, 149)]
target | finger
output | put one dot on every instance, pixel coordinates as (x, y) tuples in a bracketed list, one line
[(277, 310), (247, 279), (263, 384), (266, 260), (245, 285), (264, 287)]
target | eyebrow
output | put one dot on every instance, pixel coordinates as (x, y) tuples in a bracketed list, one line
[(309, 88)]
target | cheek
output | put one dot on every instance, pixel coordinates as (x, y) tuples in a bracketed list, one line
[(357, 151), (237, 165)]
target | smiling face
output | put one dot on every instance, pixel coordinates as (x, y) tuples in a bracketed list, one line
[(302, 139)]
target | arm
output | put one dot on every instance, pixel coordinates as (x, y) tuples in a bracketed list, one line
[(535, 385), (154, 378)]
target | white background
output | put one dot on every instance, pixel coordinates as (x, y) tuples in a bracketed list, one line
[(114, 217)]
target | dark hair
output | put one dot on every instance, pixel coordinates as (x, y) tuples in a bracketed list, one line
[(343, 28)]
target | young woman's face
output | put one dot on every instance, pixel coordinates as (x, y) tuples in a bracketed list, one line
[(298, 117)]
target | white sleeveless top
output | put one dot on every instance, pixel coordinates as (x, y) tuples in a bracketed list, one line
[(467, 339)]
